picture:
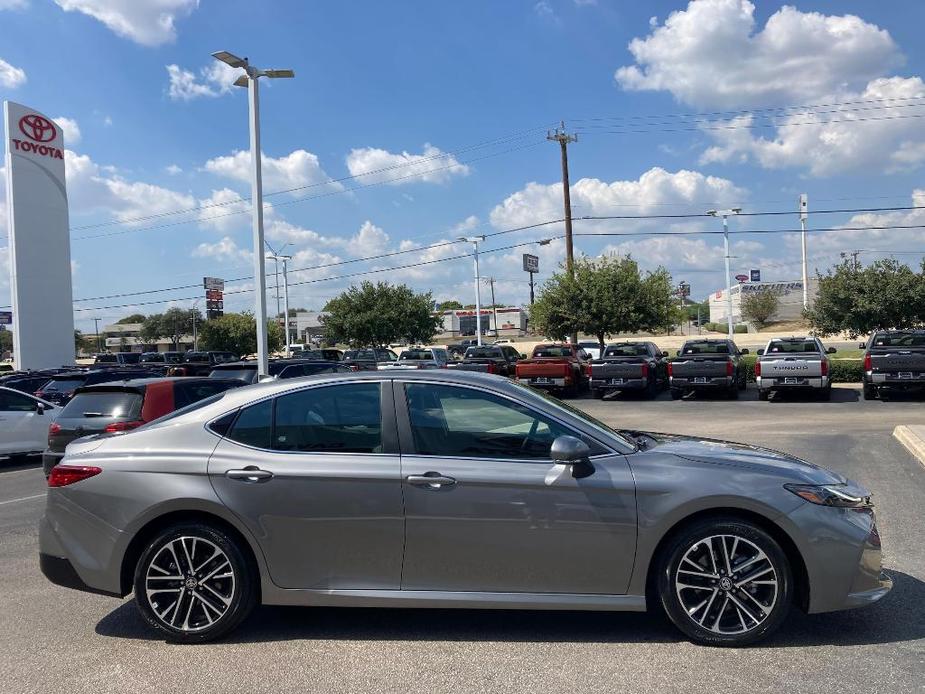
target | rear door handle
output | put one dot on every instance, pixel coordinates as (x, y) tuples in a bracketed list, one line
[(431, 480), (251, 473)]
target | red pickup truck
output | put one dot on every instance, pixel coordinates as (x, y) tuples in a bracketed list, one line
[(557, 367)]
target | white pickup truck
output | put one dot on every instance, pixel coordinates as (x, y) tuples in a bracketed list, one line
[(794, 363)]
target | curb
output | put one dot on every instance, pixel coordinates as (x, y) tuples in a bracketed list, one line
[(913, 443)]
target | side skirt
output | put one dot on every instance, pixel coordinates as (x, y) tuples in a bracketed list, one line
[(466, 600)]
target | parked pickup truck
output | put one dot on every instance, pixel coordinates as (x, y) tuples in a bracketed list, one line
[(707, 365), (793, 363), (418, 358), (559, 367), (629, 366), (369, 359), (491, 359), (894, 360), (200, 363)]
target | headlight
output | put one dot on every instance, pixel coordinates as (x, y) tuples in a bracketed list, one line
[(839, 495)]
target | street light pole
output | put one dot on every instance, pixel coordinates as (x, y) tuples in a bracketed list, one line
[(804, 204), (99, 344), (250, 80), (474, 240), (725, 214), (286, 259)]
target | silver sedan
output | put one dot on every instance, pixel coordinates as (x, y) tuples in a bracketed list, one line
[(448, 489)]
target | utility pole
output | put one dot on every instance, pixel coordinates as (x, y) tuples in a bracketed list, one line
[(192, 315), (286, 259), (531, 289), (804, 204), (474, 240), (563, 138), (854, 257), (99, 344), (725, 214), (494, 308)]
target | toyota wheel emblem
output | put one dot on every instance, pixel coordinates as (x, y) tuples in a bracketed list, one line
[(38, 128)]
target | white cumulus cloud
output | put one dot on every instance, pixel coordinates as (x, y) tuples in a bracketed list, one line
[(299, 169), (213, 80), (711, 55), (376, 165), (11, 76), (71, 130), (148, 22)]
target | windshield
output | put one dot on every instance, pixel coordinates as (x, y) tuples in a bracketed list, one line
[(575, 412), (484, 353), (899, 339), (195, 356), (705, 348), (242, 372), (152, 358), (105, 359), (62, 385), (552, 351), (626, 351), (791, 346), (131, 357), (103, 404), (416, 355)]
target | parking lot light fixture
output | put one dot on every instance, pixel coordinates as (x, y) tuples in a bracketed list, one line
[(474, 240), (725, 214), (250, 79)]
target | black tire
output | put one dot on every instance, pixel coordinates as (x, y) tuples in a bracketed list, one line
[(716, 623), (870, 391), (676, 393), (597, 393), (733, 392), (763, 394), (240, 589), (826, 394), (651, 390)]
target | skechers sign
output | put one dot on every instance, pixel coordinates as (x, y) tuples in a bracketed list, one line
[(38, 130)]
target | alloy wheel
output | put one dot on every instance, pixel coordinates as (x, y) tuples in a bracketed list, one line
[(727, 584), (190, 584)]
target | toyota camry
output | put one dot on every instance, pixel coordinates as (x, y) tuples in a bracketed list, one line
[(448, 489)]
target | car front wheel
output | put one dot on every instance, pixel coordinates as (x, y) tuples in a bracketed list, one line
[(193, 583), (725, 582)]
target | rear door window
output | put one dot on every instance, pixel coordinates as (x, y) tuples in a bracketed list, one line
[(331, 419), (254, 425), (14, 402)]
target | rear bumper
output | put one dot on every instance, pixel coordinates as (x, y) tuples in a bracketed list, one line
[(543, 382), (625, 384), (779, 383), (893, 381), (60, 571), (708, 383)]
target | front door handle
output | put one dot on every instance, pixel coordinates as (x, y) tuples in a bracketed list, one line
[(251, 473), (431, 480)]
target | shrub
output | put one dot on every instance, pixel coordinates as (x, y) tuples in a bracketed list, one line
[(846, 370)]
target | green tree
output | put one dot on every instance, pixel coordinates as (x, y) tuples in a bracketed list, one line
[(377, 314), (885, 294), (606, 296), (6, 340), (760, 306), (134, 318), (451, 305), (237, 333), (174, 323)]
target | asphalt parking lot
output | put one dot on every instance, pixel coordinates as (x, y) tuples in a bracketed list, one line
[(55, 640)]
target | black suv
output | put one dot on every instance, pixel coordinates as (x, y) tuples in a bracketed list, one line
[(60, 388), (280, 368)]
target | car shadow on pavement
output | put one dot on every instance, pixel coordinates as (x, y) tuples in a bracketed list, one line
[(19, 462), (838, 395), (900, 616)]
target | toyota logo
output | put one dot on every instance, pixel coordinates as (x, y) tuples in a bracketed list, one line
[(38, 128)]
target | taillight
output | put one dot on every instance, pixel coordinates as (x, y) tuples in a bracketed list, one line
[(670, 369), (491, 368), (825, 367), (54, 428), (868, 363), (729, 368), (116, 427), (645, 370), (63, 475), (757, 368)]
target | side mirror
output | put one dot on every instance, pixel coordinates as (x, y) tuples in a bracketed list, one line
[(523, 356), (569, 450), (678, 352), (760, 352), (743, 351), (39, 408), (831, 350), (863, 345)]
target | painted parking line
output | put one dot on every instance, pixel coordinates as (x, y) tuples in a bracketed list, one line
[(22, 498)]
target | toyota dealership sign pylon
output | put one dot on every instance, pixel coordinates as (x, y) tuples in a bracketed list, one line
[(39, 240)]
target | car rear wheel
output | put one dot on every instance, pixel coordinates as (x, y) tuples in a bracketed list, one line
[(870, 392), (193, 583), (597, 393), (676, 393), (763, 394), (725, 582)]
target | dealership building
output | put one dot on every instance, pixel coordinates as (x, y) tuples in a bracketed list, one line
[(790, 295), (511, 321)]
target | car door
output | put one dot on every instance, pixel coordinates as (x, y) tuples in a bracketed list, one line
[(487, 510), (315, 474), (22, 428)]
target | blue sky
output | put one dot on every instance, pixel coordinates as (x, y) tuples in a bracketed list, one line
[(449, 103)]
